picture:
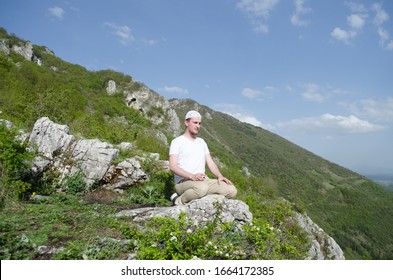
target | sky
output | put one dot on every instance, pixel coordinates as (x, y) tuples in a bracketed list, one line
[(318, 73)]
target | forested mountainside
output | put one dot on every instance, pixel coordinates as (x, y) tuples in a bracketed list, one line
[(354, 210)]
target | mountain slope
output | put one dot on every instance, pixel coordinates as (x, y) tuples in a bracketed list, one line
[(356, 212)]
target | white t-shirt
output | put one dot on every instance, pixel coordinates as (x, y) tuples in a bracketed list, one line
[(191, 154)]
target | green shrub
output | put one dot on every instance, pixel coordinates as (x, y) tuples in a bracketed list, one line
[(182, 239), (14, 165), (74, 183)]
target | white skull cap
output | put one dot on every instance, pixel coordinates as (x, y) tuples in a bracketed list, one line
[(192, 114)]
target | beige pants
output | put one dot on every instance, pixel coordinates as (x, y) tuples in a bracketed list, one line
[(189, 190)]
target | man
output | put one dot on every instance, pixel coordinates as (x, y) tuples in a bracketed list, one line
[(188, 156)]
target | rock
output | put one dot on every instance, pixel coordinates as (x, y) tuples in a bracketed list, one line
[(3, 47), (127, 173), (61, 152), (50, 138), (200, 210), (127, 146), (94, 158), (111, 88), (323, 246), (25, 50), (148, 103)]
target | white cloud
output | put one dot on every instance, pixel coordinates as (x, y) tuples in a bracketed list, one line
[(57, 12), (258, 8), (312, 93), (300, 10), (341, 35), (381, 16), (174, 90), (123, 32), (316, 93), (241, 114), (330, 124), (246, 118), (259, 12), (356, 7), (260, 27), (380, 110), (149, 42), (356, 21), (252, 94)]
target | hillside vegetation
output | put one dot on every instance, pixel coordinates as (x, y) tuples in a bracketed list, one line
[(355, 211)]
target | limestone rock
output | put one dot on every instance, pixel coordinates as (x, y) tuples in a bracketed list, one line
[(200, 210), (61, 152), (111, 88), (147, 102), (127, 173), (50, 138), (94, 158), (323, 246), (25, 50)]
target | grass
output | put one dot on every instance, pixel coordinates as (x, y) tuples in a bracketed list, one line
[(72, 227), (60, 221)]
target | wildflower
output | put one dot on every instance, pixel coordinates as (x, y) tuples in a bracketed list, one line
[(173, 238), (209, 243), (189, 230)]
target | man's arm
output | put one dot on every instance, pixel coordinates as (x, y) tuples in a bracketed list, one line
[(182, 173), (215, 170)]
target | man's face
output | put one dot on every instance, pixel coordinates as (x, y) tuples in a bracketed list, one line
[(193, 125)]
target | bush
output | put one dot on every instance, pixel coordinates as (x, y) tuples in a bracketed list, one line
[(14, 165), (74, 183)]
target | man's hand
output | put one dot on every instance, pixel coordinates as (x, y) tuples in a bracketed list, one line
[(224, 179), (198, 177)]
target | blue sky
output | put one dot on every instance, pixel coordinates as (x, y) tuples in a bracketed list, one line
[(318, 73)]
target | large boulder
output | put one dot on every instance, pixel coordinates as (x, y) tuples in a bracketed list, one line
[(49, 138), (128, 172), (200, 210), (67, 155), (93, 157)]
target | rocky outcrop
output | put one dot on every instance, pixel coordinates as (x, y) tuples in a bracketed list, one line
[(111, 88), (49, 138), (154, 107), (94, 158), (124, 174), (199, 210), (64, 153), (25, 49), (323, 246)]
